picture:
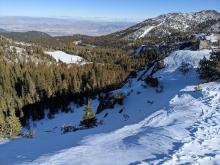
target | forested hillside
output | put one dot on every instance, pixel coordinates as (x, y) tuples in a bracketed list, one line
[(32, 81)]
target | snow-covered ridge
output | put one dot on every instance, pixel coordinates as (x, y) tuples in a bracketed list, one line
[(66, 58), (183, 22)]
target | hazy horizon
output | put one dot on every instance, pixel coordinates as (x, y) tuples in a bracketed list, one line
[(92, 19), (61, 26), (114, 10)]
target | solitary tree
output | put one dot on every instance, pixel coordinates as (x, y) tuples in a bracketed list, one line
[(89, 120)]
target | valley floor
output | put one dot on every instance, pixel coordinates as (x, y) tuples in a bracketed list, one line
[(179, 125)]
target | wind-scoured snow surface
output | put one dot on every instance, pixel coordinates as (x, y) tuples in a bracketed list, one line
[(66, 58), (177, 126)]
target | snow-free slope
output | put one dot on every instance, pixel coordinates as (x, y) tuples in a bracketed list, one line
[(178, 125)]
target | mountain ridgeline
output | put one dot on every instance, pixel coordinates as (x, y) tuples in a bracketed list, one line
[(165, 25)]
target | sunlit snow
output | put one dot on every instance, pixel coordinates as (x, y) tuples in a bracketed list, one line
[(66, 58), (180, 125)]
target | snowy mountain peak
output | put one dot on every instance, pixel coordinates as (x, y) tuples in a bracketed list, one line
[(195, 17), (206, 20)]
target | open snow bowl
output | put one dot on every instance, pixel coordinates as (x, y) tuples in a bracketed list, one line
[(66, 58)]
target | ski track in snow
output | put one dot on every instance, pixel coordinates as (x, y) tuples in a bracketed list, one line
[(147, 31), (180, 127)]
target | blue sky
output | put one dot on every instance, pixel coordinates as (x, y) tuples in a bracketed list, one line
[(109, 9)]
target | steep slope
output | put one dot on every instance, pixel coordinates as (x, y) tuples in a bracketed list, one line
[(151, 127), (207, 21), (184, 132)]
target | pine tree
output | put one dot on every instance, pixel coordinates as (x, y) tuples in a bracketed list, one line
[(89, 120)]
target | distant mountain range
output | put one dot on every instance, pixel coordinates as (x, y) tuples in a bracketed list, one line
[(196, 22), (2, 30), (43, 30), (61, 27)]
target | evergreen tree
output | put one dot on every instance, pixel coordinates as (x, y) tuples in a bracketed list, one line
[(210, 68), (89, 118)]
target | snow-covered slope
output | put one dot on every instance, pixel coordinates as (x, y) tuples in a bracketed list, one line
[(179, 125), (66, 58), (204, 21), (192, 58), (184, 132), (146, 31)]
